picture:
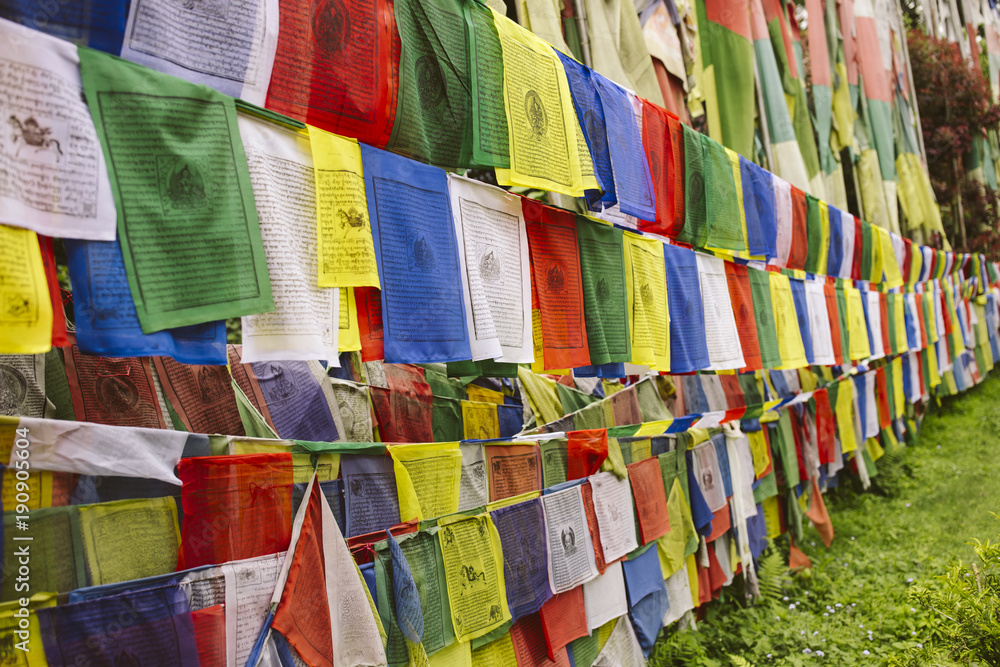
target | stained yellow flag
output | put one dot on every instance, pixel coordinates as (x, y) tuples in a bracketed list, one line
[(473, 571), (646, 289), (547, 149), (857, 328), (671, 547), (349, 339), (343, 231), (480, 420), (130, 539), (25, 309), (786, 323), (433, 472)]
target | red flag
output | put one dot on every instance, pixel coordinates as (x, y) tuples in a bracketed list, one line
[(303, 614), (587, 451)]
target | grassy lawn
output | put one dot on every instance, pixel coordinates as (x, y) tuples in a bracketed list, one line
[(855, 605)]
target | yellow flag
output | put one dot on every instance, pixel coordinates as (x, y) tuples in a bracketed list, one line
[(824, 239), (25, 309), (760, 452), (39, 488), (130, 539), (350, 333), (473, 571), (543, 397), (654, 428), (483, 395), (897, 388), (33, 653), (480, 420), (734, 159), (772, 516), (433, 472), (456, 654), (692, 570), (893, 274), (325, 464), (857, 329), (844, 412), (786, 323), (343, 231), (899, 314), (671, 547), (916, 264), (929, 308), (499, 652), (547, 149), (646, 289)]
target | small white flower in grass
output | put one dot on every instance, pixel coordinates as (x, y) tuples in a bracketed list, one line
[(802, 632), (854, 604), (825, 614), (861, 625), (820, 654), (769, 655), (866, 652), (920, 645), (816, 632), (807, 651), (914, 634), (778, 617), (785, 598), (939, 446), (910, 580), (907, 504), (791, 606), (838, 605), (852, 539)]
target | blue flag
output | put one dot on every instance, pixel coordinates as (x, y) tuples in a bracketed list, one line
[(106, 321), (835, 256), (423, 311), (759, 208), (633, 184), (802, 313), (688, 346), (590, 114), (100, 24)]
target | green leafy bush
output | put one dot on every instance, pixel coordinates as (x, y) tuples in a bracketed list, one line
[(966, 603)]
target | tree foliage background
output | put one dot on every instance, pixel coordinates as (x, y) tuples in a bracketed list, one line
[(955, 106)]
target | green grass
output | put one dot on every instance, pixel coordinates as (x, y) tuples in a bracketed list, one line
[(927, 503)]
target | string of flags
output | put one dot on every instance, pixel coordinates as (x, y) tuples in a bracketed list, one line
[(396, 466)]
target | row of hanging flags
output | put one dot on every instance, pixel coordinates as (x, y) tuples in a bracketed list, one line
[(860, 97), (575, 541), (364, 513), (292, 228)]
